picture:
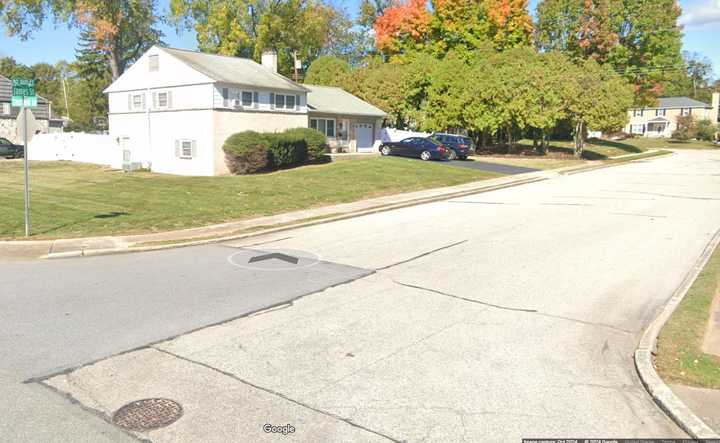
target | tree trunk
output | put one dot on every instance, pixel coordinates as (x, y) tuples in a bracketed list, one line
[(579, 139), (114, 65), (511, 147)]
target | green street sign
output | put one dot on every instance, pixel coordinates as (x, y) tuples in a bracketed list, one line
[(23, 93), (28, 102)]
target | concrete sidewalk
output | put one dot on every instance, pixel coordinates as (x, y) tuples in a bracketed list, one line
[(33, 249)]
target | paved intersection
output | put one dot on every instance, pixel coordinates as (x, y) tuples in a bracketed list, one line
[(487, 318)]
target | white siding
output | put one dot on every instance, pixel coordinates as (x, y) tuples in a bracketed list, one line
[(171, 72), (156, 149), (263, 96)]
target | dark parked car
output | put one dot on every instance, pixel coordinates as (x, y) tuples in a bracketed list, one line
[(460, 146), (425, 148), (10, 150)]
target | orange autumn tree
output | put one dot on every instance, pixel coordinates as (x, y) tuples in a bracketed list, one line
[(404, 25), (510, 22)]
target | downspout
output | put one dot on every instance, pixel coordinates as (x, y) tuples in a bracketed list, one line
[(149, 136)]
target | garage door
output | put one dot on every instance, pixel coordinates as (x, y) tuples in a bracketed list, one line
[(364, 136)]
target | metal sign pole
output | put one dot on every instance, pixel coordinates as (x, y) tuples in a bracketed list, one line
[(27, 183)]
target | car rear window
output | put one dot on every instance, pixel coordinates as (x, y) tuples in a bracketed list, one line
[(434, 141)]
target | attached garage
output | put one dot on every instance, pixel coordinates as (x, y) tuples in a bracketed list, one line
[(350, 124)]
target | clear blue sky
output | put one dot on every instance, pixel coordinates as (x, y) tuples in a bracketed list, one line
[(52, 43)]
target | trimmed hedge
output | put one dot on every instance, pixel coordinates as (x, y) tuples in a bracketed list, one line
[(249, 152), (316, 142)]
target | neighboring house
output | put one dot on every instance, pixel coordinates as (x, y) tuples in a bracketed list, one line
[(350, 124), (9, 113), (661, 121), (173, 109)]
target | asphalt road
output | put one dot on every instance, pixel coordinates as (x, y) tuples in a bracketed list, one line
[(488, 318), (489, 167)]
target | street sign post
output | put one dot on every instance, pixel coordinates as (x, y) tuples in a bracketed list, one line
[(23, 95)]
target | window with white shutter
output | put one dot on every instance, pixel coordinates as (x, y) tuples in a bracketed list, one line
[(137, 102), (185, 149)]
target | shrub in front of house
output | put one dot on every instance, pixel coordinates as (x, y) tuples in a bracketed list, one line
[(286, 149), (247, 152), (316, 142), (706, 130)]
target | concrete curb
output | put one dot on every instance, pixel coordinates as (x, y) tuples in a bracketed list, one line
[(293, 225), (537, 176), (656, 387)]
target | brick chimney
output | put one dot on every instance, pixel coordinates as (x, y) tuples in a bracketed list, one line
[(270, 60)]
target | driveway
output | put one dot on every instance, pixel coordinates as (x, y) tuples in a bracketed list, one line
[(491, 317), (489, 167)]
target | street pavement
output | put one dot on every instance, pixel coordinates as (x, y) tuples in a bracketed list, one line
[(490, 317), (490, 167)]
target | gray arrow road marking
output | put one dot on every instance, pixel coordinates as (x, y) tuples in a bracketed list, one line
[(276, 255)]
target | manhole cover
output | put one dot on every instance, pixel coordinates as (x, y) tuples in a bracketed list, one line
[(148, 414)]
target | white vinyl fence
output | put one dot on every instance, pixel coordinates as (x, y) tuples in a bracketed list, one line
[(99, 149), (395, 135)]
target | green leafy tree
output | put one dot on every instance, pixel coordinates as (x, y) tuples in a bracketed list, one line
[(459, 26), (380, 84), (598, 99), (121, 29), (328, 70), (10, 68), (640, 39), (246, 28)]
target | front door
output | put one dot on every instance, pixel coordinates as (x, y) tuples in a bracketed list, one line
[(344, 133), (364, 137)]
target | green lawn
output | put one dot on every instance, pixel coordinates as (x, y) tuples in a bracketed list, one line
[(596, 149), (73, 200), (680, 358)]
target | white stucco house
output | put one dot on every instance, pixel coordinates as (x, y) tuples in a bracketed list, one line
[(173, 109)]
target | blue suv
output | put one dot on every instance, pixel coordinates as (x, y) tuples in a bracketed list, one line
[(460, 146)]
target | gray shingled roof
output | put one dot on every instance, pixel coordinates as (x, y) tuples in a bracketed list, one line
[(331, 100), (680, 102), (235, 70)]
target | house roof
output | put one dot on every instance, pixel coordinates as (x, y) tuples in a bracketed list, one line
[(680, 102), (331, 100), (234, 70)]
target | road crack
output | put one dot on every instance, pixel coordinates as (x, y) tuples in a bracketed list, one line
[(280, 395), (508, 308), (424, 254)]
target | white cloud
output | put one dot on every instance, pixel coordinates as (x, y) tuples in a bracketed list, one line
[(701, 12)]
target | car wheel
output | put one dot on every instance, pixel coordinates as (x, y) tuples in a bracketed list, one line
[(425, 155), (463, 157), (385, 150), (453, 155)]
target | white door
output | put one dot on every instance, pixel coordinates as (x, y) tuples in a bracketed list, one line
[(364, 137)]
